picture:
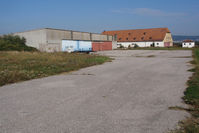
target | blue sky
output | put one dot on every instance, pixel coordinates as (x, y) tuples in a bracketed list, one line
[(180, 16)]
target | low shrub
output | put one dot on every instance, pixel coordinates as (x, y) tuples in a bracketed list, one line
[(21, 66), (14, 43)]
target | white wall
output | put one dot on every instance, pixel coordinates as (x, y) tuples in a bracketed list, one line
[(125, 44), (188, 44), (159, 44), (140, 44), (114, 45)]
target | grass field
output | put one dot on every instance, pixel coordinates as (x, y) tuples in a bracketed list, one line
[(21, 66), (191, 97)]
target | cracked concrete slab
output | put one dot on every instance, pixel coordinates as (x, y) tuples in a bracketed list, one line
[(128, 95)]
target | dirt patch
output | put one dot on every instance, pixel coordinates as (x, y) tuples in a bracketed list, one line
[(148, 56), (84, 74), (181, 57)]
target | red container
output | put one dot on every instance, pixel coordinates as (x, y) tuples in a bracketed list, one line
[(101, 46)]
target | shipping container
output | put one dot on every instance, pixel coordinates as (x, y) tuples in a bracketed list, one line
[(76, 46), (101, 46), (69, 46), (84, 46)]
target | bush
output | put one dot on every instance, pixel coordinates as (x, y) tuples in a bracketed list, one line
[(14, 43), (177, 44), (153, 44), (121, 46), (197, 43), (136, 46)]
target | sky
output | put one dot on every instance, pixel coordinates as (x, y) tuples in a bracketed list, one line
[(180, 16)]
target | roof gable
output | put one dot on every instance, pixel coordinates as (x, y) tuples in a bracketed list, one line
[(139, 35)]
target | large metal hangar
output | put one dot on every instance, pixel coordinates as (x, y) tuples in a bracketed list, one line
[(56, 40)]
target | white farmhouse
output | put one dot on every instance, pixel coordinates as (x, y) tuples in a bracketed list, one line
[(188, 44), (155, 37)]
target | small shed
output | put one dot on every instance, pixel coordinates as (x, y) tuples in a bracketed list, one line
[(188, 44)]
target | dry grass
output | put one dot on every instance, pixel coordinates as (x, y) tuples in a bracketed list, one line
[(20, 66)]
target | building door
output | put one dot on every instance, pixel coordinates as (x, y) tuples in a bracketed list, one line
[(167, 44)]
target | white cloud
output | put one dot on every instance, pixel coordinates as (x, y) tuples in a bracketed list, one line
[(148, 12)]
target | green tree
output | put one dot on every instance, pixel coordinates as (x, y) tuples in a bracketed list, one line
[(14, 43)]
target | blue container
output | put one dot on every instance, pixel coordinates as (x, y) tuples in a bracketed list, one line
[(76, 46), (85, 46)]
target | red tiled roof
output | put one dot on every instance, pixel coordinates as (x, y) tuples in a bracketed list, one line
[(139, 35), (187, 41)]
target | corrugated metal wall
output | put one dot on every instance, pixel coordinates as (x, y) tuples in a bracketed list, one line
[(54, 36), (99, 37), (80, 36)]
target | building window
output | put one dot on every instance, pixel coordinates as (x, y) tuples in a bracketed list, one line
[(144, 33), (129, 34), (120, 38), (115, 36), (142, 38), (134, 38), (150, 38), (157, 43), (127, 38), (189, 43)]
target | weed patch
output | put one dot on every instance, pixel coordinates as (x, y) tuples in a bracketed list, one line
[(21, 66), (191, 97)]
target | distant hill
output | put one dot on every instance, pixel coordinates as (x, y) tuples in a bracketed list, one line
[(179, 38)]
